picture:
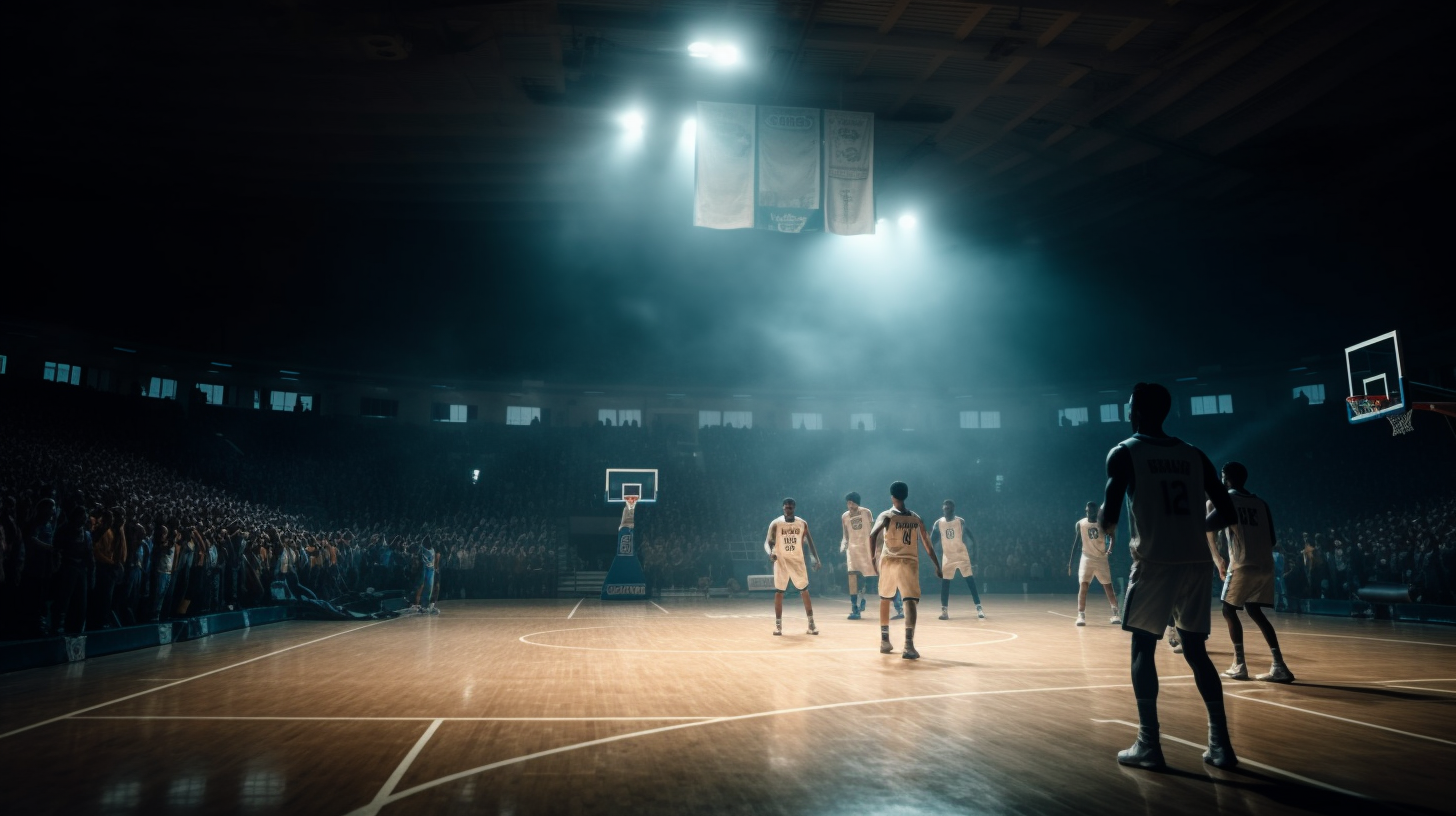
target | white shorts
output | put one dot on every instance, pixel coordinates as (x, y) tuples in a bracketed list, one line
[(790, 569), (1156, 592), (1094, 568), (948, 571), (857, 559), (901, 574), (1245, 586)]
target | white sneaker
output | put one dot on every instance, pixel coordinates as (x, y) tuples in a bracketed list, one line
[(1081, 618), (1278, 673), (979, 613), (944, 613), (812, 630), (1237, 671), (1116, 619)]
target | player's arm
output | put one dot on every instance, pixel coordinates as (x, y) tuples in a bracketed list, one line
[(809, 542), (1223, 513), (1076, 545), (1119, 479), (768, 542), (1213, 548), (844, 532)]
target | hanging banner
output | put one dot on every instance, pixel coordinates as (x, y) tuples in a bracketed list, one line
[(788, 169), (723, 195), (849, 172)]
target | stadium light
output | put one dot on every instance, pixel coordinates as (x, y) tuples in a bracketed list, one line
[(689, 131), (907, 221), (724, 54), (700, 50), (633, 122)]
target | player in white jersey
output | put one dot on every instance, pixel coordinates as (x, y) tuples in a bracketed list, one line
[(1163, 478), (788, 535), (1250, 575), (952, 532), (854, 542), (900, 565), (1094, 550)]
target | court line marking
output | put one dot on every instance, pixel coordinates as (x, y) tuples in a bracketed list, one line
[(1341, 719), (1060, 614), (25, 728), (383, 719), (1011, 636), (373, 808), (1244, 761), (1376, 639), (664, 611), (393, 781), (574, 608), (1419, 688)]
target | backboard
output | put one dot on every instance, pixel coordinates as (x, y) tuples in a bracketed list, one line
[(640, 482), (1374, 369)]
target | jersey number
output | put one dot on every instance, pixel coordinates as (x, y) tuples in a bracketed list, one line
[(950, 532), (1093, 532), (907, 536), (1175, 498)]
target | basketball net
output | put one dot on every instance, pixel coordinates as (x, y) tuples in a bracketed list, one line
[(1402, 423), (631, 502), (629, 513)]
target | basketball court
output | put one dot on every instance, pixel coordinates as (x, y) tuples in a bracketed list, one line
[(692, 706)]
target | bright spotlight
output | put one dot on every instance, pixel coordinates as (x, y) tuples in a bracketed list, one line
[(701, 50), (632, 121), (726, 54), (689, 130), (907, 221)]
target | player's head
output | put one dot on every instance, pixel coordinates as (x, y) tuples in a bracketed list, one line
[(789, 505), (948, 508), (1091, 511), (1150, 405), (899, 490), (851, 500), (1235, 475)]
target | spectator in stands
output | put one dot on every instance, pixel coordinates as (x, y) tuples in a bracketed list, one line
[(77, 572)]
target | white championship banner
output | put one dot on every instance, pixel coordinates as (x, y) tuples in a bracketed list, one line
[(723, 195), (849, 172), (788, 168)]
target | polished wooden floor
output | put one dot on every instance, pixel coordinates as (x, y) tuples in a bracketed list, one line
[(526, 707)]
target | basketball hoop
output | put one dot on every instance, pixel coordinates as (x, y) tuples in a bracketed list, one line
[(1401, 423), (631, 502)]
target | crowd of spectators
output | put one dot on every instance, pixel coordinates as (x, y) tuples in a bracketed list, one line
[(117, 510)]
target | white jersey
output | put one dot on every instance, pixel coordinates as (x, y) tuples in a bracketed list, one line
[(786, 538), (952, 541), (1251, 540), (855, 535), (1166, 494), (1093, 545), (901, 534)]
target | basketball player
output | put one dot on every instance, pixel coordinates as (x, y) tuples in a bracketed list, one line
[(1249, 580), (854, 542), (1094, 550), (787, 535), (952, 532), (1163, 477), (900, 565)]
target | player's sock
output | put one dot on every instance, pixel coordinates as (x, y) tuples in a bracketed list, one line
[(1148, 721), (778, 626), (812, 630), (944, 593), (1239, 653), (885, 633)]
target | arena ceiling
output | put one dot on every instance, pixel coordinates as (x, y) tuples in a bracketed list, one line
[(312, 173), (1064, 112)]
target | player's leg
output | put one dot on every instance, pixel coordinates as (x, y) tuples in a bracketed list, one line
[(808, 609), (945, 599), (1279, 672), (854, 595), (1111, 600), (1082, 603), (975, 595), (1239, 670), (885, 647), (778, 611), (1220, 748), (909, 653), (1147, 752)]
